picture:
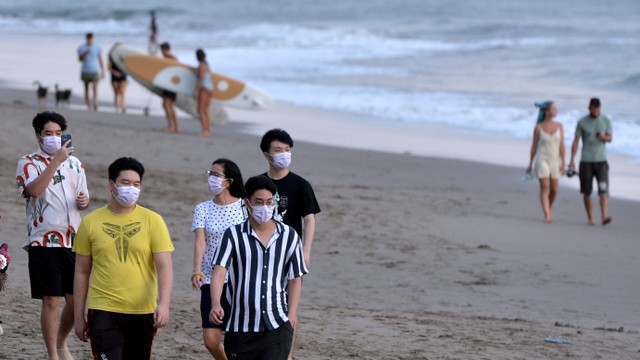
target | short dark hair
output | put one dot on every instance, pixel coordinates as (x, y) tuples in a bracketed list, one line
[(232, 171), (275, 135), (595, 102), (41, 119), (125, 163), (200, 55), (89, 35), (165, 46), (259, 182)]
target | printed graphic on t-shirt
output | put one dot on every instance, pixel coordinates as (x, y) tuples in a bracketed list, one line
[(122, 235), (281, 209)]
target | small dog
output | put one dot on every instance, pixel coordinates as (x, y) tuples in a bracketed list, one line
[(41, 93), (62, 96)]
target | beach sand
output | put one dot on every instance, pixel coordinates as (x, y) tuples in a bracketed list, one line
[(414, 257)]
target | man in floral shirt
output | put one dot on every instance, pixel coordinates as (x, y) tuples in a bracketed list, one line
[(54, 185)]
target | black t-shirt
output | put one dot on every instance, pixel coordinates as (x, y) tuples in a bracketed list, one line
[(296, 200)]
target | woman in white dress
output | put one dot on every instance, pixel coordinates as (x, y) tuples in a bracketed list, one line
[(210, 220), (547, 155)]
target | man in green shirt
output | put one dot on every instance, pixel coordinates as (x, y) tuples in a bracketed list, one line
[(595, 131)]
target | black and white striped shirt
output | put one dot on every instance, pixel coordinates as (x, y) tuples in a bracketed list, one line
[(258, 276)]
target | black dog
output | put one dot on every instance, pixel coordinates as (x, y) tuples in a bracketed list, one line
[(41, 93), (62, 96)]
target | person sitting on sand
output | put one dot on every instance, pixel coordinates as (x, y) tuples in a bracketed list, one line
[(595, 131), (547, 149)]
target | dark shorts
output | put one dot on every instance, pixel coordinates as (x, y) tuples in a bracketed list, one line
[(205, 307), (169, 95), (90, 77), (589, 170), (51, 271), (118, 79), (117, 336), (267, 345)]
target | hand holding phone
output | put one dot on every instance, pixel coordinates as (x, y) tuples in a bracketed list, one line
[(65, 138)]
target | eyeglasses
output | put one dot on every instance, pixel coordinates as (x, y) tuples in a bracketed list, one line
[(216, 174), (260, 202)]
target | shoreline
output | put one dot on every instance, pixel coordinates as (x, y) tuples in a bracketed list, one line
[(356, 131), (409, 250)]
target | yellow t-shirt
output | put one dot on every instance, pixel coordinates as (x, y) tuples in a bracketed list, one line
[(123, 277)]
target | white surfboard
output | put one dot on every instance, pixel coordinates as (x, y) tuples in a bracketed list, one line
[(158, 74)]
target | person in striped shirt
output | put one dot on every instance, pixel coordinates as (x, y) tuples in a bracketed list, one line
[(265, 263)]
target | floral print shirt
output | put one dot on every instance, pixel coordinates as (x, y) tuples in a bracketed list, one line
[(53, 217)]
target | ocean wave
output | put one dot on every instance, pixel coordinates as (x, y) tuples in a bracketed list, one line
[(631, 82)]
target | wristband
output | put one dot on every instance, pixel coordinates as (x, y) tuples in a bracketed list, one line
[(196, 273)]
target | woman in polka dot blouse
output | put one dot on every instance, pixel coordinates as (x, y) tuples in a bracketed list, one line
[(210, 219)]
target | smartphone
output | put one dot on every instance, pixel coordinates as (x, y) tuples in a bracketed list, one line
[(65, 138)]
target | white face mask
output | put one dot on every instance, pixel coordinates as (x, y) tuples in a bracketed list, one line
[(127, 195), (281, 160), (262, 214), (215, 185), (51, 144)]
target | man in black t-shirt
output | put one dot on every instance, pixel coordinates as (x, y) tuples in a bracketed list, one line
[(297, 202)]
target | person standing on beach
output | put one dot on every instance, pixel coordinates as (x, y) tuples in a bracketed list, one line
[(265, 263), (119, 84), (548, 151), (595, 131), (153, 36), (296, 201), (123, 274), (203, 91), (54, 184), (169, 97), (210, 220), (90, 55)]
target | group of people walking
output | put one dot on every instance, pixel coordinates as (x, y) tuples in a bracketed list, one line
[(114, 266), (547, 157)]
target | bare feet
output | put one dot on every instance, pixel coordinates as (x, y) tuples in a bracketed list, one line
[(606, 220), (205, 134)]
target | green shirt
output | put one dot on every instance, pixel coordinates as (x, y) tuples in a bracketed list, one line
[(593, 150)]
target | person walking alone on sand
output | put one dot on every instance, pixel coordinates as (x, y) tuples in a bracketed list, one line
[(90, 54), (547, 155)]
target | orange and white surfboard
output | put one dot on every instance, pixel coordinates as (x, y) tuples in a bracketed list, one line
[(159, 74)]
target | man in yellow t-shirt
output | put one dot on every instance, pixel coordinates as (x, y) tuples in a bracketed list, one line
[(124, 274)]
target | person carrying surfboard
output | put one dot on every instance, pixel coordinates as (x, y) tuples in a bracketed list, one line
[(169, 97), (203, 92)]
